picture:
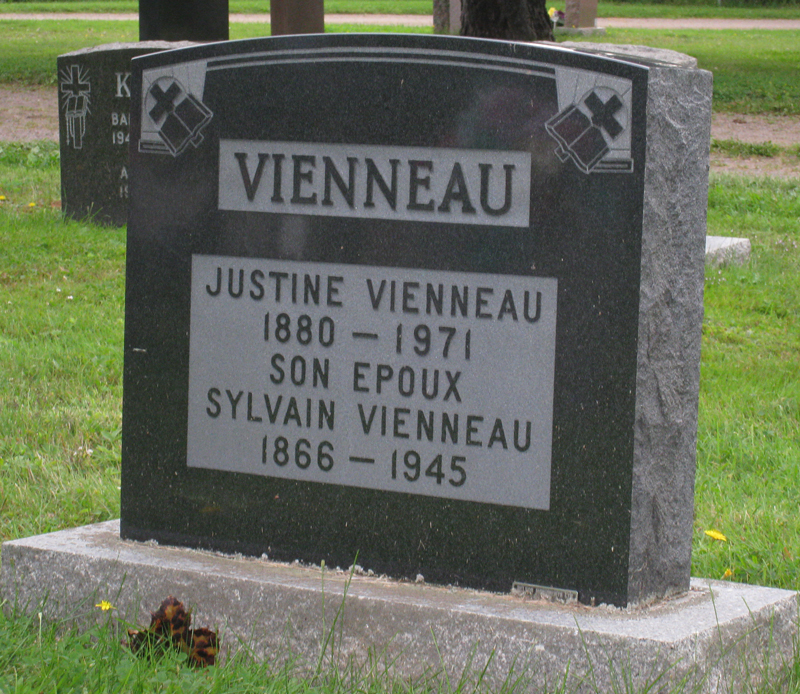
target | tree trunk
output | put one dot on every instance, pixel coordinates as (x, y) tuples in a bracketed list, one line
[(511, 20)]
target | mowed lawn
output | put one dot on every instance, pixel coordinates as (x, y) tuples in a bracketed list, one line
[(61, 332)]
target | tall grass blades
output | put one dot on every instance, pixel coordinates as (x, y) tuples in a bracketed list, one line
[(749, 434)]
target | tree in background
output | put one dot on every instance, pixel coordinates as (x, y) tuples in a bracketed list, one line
[(511, 20)]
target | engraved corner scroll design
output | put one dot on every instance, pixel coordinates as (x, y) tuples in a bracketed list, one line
[(75, 88), (172, 117), (593, 125)]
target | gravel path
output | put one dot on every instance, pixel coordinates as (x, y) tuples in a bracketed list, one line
[(31, 113)]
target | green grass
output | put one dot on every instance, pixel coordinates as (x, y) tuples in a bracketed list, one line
[(235, 6), (61, 332), (61, 299), (61, 306), (754, 71), (37, 656), (40, 656), (749, 435), (708, 10), (61, 294), (674, 10), (31, 46), (737, 148)]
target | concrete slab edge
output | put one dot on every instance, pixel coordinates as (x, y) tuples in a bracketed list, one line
[(719, 637), (723, 250)]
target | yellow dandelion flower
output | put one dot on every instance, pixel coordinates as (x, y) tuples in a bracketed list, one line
[(728, 573), (2, 198), (105, 605), (31, 204), (716, 535)]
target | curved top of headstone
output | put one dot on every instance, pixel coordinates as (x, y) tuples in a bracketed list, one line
[(639, 54), (509, 197), (144, 45)]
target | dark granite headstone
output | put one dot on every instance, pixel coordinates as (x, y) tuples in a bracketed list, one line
[(94, 109), (429, 303), (183, 20)]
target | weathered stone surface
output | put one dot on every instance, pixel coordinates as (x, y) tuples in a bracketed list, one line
[(723, 250), (580, 13), (622, 51), (717, 637), (447, 16), (670, 323), (297, 17), (94, 113), (670, 316)]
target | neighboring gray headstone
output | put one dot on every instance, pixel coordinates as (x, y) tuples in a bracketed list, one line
[(447, 17), (723, 250), (433, 302), (580, 14), (94, 110), (297, 17)]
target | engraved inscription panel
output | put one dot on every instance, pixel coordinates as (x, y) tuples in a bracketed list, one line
[(422, 184), (405, 380), (382, 301)]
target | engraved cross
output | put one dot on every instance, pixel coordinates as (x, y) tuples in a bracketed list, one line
[(76, 86), (164, 100), (603, 113)]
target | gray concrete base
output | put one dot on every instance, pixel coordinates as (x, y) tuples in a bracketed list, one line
[(723, 250), (718, 637)]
